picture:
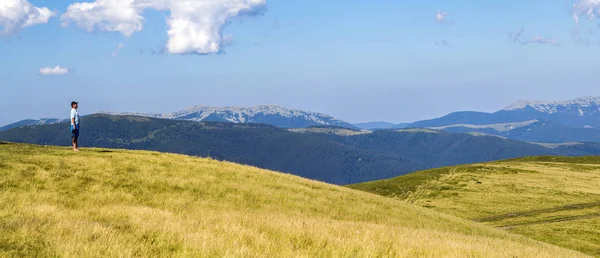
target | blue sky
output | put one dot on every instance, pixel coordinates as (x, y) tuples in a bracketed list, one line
[(358, 60)]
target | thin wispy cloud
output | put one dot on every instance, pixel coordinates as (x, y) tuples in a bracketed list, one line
[(195, 26), (589, 8), (517, 38), (583, 38), (441, 17), (584, 32), (18, 14), (57, 70), (275, 24), (120, 46), (442, 43), (542, 40)]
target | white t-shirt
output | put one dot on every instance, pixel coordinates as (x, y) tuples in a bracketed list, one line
[(75, 115)]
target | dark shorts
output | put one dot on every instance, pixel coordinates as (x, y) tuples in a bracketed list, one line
[(74, 132)]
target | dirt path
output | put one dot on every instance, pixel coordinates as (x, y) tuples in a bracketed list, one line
[(537, 212), (587, 216)]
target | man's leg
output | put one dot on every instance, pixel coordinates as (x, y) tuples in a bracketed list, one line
[(75, 137)]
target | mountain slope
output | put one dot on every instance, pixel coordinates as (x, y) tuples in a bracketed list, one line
[(533, 130), (43, 121), (263, 114), (379, 125), (115, 203), (552, 199), (577, 113), (316, 153)]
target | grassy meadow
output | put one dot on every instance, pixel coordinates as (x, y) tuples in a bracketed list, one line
[(551, 199), (115, 203)]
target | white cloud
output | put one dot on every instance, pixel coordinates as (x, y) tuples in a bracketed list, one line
[(54, 71), (440, 16), (542, 40), (17, 14), (589, 8), (105, 15), (120, 45), (194, 25)]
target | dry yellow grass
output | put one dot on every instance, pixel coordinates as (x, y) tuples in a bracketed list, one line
[(555, 202), (116, 203)]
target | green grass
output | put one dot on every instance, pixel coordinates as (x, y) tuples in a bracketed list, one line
[(551, 199), (116, 203)]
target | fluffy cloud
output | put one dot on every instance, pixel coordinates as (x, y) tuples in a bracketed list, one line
[(195, 26), (106, 15), (54, 71), (17, 14), (589, 8)]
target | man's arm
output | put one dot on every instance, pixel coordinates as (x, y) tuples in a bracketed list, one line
[(73, 120)]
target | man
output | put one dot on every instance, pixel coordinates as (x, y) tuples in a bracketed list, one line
[(74, 125)]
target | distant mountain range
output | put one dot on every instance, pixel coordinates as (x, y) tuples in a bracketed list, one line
[(540, 121), (331, 154), (264, 114), (577, 113), (575, 120), (43, 121)]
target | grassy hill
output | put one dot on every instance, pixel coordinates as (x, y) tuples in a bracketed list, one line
[(551, 199), (333, 155), (117, 203)]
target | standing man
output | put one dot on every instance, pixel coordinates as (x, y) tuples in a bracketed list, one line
[(74, 125)]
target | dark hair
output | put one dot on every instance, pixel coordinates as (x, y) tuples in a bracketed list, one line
[(73, 103)]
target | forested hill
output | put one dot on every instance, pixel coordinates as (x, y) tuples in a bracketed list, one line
[(339, 159)]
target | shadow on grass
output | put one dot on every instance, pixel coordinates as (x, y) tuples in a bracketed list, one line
[(105, 151)]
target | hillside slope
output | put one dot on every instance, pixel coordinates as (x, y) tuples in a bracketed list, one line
[(533, 131), (552, 199), (264, 146), (43, 121), (100, 202)]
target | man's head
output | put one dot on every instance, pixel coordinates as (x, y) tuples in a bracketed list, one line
[(74, 104)]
